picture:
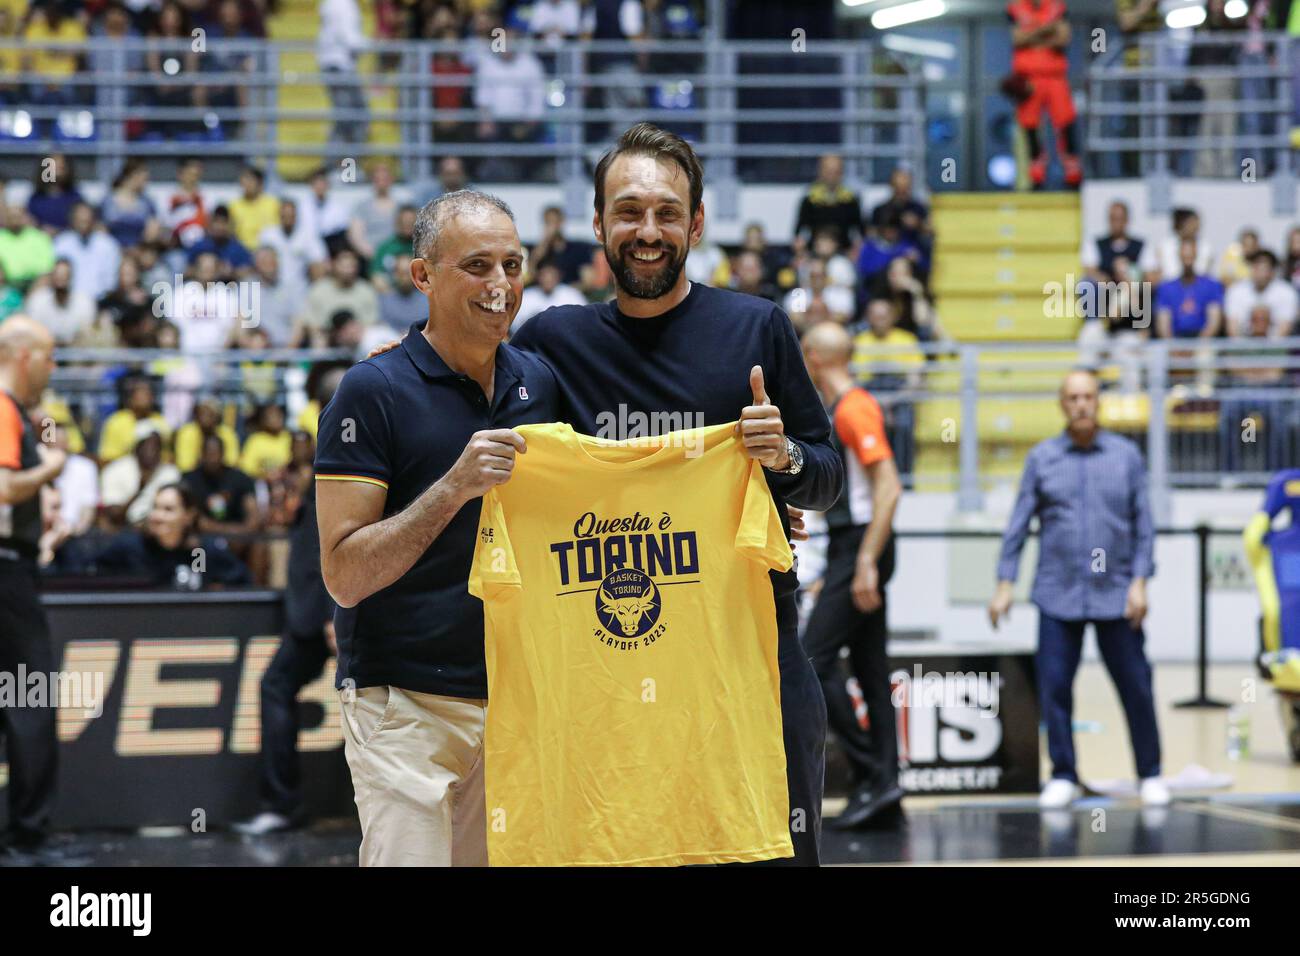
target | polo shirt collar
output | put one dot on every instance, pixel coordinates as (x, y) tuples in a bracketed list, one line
[(431, 365)]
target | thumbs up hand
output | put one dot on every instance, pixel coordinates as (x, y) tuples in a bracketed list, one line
[(761, 427)]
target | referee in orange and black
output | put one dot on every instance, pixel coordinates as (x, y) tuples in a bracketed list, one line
[(26, 361)]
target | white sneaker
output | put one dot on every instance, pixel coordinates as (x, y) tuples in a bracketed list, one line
[(1153, 792), (1059, 793)]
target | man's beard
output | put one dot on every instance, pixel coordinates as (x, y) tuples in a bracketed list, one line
[(649, 287)]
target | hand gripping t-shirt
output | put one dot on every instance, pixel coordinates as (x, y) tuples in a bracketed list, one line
[(631, 653)]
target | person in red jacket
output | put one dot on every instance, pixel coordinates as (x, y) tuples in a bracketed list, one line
[(1040, 35)]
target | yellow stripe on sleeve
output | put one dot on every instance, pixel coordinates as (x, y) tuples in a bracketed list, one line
[(369, 481)]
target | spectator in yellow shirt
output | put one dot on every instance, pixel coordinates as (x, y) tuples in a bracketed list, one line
[(880, 341), (190, 436), (117, 436), (56, 69), (269, 447), (254, 210)]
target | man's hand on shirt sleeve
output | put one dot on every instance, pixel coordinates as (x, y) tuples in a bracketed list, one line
[(386, 347), (761, 427)]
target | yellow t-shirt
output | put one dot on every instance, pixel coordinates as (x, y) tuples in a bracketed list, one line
[(189, 446), (867, 349), (117, 434), (264, 453), (309, 418), (250, 217), (54, 63), (630, 637)]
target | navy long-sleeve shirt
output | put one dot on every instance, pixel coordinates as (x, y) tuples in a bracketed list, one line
[(1095, 529), (687, 368)]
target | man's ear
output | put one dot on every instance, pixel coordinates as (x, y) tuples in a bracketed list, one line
[(597, 229), (421, 275), (697, 225)]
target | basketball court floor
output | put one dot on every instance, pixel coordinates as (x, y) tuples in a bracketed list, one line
[(1249, 815)]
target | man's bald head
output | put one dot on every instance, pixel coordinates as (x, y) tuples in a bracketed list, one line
[(20, 334), (26, 357), (828, 342)]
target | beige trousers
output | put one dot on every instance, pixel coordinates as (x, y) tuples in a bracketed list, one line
[(417, 771)]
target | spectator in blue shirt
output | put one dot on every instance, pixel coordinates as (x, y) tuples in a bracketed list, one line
[(1088, 488), (221, 242), (1191, 305), (883, 248)]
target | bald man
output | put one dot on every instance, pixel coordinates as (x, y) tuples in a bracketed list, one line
[(1088, 488), (850, 610), (26, 465)]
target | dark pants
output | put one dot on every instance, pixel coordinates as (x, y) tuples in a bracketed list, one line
[(1060, 643), (834, 624), (298, 662), (30, 732)]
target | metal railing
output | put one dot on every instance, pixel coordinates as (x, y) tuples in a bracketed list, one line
[(748, 106), (1152, 113)]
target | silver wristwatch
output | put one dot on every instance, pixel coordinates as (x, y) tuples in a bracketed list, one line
[(796, 458)]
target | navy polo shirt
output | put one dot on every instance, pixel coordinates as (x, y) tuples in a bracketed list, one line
[(400, 420)]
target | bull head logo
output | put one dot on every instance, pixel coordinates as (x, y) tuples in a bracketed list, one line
[(629, 611)]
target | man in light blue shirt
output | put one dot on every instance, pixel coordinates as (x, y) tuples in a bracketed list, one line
[(1088, 488)]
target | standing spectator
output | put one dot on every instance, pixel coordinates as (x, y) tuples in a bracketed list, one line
[(233, 259), (403, 303), (341, 290), (1263, 288), (913, 215), (187, 215), (126, 211), (59, 307), (1218, 118), (11, 60), (253, 210), (1040, 35), (1190, 305), (394, 246), (546, 292), (129, 483), (276, 303), (1099, 255), (301, 253), (1255, 118), (339, 42), (452, 78), (226, 96), (57, 70), (510, 94), (117, 436), (26, 253), (837, 301), (268, 446), (54, 193), (618, 85), (1135, 17), (325, 215), (373, 215), (555, 21), (1186, 228), (1088, 489), (93, 253), (829, 203), (567, 254)]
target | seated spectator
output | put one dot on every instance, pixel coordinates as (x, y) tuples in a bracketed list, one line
[(51, 23), (912, 214), (127, 485), (207, 315), (273, 304), (223, 95), (708, 264), (258, 377), (546, 292), (126, 211), (341, 290), (373, 215), (830, 204), (286, 487), (1292, 269), (324, 215), (569, 255), (1099, 255), (169, 550), (53, 194), (1257, 394), (207, 423), (11, 59), (301, 253), (802, 302), (403, 303), (26, 253), (1234, 265), (1186, 227), (839, 268), (58, 306), (882, 248), (879, 341), (170, 55), (234, 260), (1190, 305), (253, 210), (554, 21), (153, 270), (322, 382), (93, 253), (387, 252), (451, 92), (78, 486), (11, 299), (1262, 288), (268, 446), (226, 498), (117, 435), (748, 277), (912, 303), (181, 376), (187, 211), (510, 95), (775, 262)]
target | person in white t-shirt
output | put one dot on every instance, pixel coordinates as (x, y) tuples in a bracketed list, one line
[(206, 311), (547, 292), (1262, 288), (300, 251), (1187, 227)]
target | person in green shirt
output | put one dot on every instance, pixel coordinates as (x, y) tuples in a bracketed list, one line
[(10, 298), (26, 253), (381, 263)]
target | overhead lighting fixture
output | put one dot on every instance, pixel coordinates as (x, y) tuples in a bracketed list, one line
[(856, 3), (901, 43), (908, 13), (1235, 9), (1182, 17)]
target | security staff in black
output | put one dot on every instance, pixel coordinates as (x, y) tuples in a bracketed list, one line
[(411, 441), (26, 360)]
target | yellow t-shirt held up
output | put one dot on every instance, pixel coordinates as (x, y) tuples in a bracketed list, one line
[(631, 648)]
